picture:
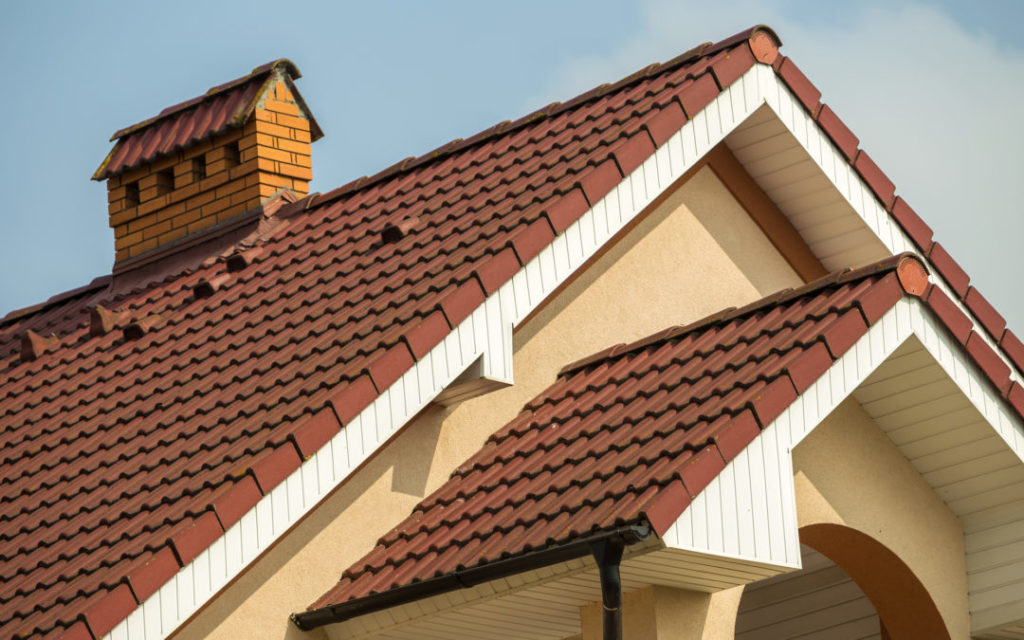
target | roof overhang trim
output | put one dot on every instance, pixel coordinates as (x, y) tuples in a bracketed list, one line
[(875, 233)]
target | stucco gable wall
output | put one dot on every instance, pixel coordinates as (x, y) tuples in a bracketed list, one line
[(696, 253), (848, 472)]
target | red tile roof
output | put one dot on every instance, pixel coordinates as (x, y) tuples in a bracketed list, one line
[(631, 435), (227, 105), (150, 420), (159, 415)]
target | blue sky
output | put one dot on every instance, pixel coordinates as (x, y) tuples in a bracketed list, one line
[(933, 90)]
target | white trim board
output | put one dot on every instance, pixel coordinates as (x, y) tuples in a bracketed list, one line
[(836, 239), (743, 531)]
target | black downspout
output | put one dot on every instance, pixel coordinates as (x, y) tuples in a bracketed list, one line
[(608, 553)]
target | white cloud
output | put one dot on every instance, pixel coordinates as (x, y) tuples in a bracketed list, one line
[(935, 104)]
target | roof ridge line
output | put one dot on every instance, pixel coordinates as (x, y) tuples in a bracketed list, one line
[(94, 285), (268, 68), (893, 263), (548, 111)]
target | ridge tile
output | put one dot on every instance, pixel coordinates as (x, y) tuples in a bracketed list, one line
[(805, 91), (950, 271)]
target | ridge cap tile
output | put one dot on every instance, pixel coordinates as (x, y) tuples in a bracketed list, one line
[(951, 272), (991, 320), (1015, 396), (1013, 348)]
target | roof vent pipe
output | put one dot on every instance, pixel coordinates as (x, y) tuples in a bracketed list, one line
[(608, 553)]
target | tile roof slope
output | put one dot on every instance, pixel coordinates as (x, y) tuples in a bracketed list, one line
[(176, 127), (628, 436), (128, 446)]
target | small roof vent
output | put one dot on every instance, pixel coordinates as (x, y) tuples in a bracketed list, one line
[(206, 288), (34, 345), (392, 232)]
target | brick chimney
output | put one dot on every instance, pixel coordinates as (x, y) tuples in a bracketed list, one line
[(203, 164)]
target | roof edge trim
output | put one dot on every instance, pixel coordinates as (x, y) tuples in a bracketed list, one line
[(895, 224)]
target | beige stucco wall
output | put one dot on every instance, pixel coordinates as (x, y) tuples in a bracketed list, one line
[(664, 613), (697, 253), (848, 472)]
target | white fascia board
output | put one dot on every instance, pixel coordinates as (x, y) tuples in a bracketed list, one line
[(484, 336), (748, 512), (851, 186)]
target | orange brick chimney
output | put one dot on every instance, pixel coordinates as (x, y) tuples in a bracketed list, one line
[(204, 163)]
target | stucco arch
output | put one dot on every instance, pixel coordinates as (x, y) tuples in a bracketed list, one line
[(862, 504), (903, 603)]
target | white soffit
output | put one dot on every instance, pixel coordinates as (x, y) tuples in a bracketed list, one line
[(799, 168), (543, 604), (485, 337), (808, 178)]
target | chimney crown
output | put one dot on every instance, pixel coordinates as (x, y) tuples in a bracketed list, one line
[(207, 161)]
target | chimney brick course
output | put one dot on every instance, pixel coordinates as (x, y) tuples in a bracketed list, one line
[(262, 150)]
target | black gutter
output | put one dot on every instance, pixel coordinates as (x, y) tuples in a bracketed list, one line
[(468, 577), (608, 553)]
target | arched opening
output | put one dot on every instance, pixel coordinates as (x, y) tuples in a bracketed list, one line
[(851, 587), (904, 605)]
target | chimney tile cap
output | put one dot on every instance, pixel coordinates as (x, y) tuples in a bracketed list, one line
[(283, 64)]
